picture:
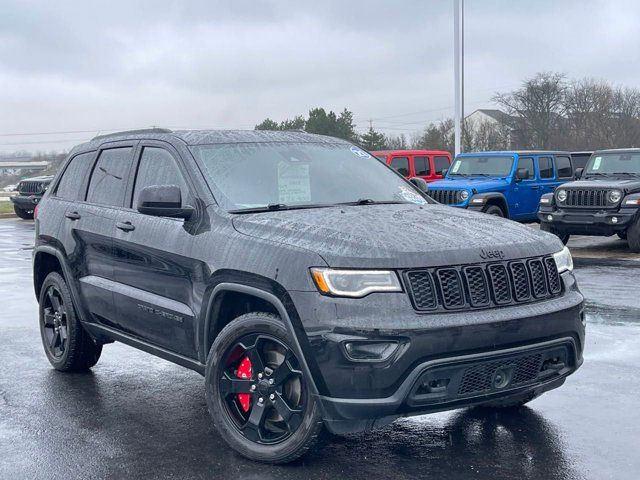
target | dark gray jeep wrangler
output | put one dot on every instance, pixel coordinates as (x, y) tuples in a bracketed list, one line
[(30, 192), (604, 201)]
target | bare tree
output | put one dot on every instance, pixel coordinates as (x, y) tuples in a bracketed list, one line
[(537, 108)]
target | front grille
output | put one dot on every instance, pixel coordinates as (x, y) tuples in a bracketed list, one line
[(446, 197), (483, 285), (30, 187), (586, 198), (479, 378), (451, 288)]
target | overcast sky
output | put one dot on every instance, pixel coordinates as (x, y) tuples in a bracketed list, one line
[(84, 66)]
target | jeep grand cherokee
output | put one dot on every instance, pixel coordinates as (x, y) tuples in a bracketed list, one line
[(311, 285)]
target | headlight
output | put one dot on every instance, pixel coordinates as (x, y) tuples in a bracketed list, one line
[(615, 196), (561, 195), (464, 195), (564, 261), (354, 283)]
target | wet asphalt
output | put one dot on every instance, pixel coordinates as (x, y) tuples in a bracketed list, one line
[(137, 416)]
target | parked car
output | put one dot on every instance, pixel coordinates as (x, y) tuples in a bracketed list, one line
[(579, 160), (506, 184), (321, 291), (10, 188), (30, 192), (604, 201), (426, 164)]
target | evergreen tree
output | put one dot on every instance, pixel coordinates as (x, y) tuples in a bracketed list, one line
[(373, 140)]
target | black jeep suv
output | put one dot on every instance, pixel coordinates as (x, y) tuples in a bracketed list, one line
[(310, 284), (30, 192), (604, 201)]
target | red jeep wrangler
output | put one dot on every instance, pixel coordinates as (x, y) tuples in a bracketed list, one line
[(426, 164)]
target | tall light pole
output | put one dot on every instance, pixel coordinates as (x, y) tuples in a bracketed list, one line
[(458, 71)]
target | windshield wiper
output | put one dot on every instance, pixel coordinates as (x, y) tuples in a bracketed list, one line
[(633, 174), (274, 207), (597, 174)]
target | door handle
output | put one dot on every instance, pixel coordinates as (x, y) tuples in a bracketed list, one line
[(72, 215), (535, 187), (125, 226)]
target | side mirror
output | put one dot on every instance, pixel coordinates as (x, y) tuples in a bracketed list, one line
[(578, 173), (419, 183), (444, 172), (522, 174), (163, 201)]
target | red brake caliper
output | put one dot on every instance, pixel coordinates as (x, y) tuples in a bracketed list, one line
[(244, 371)]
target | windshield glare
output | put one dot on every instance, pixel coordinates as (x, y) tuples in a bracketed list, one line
[(612, 163), (482, 165), (253, 175)]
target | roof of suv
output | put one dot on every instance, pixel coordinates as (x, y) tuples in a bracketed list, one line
[(619, 150), (206, 137), (518, 152)]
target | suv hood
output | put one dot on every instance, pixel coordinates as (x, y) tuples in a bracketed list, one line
[(480, 184), (626, 184), (398, 236)]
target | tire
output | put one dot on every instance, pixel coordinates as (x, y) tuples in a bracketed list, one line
[(622, 235), (494, 210), (22, 213), (511, 403), (68, 347), (262, 338), (633, 236), (564, 237)]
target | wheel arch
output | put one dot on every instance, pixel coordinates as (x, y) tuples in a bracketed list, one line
[(492, 198), (46, 260), (275, 300)]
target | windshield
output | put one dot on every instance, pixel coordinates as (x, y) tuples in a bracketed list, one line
[(481, 165), (285, 174), (614, 163)]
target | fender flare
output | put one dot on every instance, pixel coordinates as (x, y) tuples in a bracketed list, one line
[(487, 197), (282, 312), (63, 264)]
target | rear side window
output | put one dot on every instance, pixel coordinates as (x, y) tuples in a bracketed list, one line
[(580, 159), (401, 164), (563, 164), (441, 163), (421, 165), (527, 164), (546, 167), (109, 178), (158, 167), (74, 176)]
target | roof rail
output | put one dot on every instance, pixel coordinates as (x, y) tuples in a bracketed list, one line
[(132, 132)]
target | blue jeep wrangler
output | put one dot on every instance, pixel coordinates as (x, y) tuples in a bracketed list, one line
[(506, 184)]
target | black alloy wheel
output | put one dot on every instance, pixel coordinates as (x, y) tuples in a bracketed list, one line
[(258, 393), (262, 388), (55, 320), (69, 348)]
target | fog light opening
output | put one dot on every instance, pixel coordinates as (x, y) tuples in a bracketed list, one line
[(614, 219), (369, 351), (550, 218)]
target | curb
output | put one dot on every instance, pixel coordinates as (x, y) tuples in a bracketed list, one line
[(8, 215)]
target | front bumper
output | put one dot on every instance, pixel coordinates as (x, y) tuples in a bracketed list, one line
[(27, 202), (588, 222), (358, 395), (461, 381)]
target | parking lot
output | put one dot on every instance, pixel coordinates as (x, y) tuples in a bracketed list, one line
[(137, 416)]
